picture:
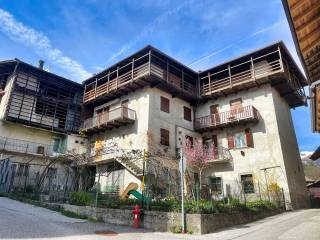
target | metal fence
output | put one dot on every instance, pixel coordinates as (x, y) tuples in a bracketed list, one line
[(105, 186)]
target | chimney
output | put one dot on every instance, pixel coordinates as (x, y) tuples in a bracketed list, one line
[(40, 64)]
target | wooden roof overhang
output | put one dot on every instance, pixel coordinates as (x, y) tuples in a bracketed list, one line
[(304, 20)]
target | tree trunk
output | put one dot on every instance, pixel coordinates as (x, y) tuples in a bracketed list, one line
[(200, 181)]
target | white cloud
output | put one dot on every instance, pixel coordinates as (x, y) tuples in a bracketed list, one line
[(21, 33)]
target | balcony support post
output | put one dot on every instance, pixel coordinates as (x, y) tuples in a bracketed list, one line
[(95, 88), (199, 86), (132, 70), (253, 74), (167, 78), (117, 81), (182, 77), (84, 95), (108, 83), (150, 62), (230, 79), (280, 58), (209, 82)]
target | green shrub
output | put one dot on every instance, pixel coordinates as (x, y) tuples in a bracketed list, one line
[(80, 198), (260, 206), (29, 189), (176, 229)]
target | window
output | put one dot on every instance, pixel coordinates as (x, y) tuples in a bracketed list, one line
[(247, 183), (164, 104), (216, 185), (164, 135), (240, 139), (187, 114), (189, 140), (56, 145)]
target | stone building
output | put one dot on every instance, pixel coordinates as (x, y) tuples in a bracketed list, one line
[(149, 101), (39, 120)]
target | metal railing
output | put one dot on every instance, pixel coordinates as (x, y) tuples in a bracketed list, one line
[(221, 154), (28, 147), (224, 118), (148, 64), (120, 113)]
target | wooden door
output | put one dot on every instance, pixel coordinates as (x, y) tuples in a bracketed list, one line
[(214, 113), (235, 106)]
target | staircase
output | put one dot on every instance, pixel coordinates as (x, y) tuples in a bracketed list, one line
[(133, 166)]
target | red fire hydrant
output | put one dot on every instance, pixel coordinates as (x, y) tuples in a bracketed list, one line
[(136, 214)]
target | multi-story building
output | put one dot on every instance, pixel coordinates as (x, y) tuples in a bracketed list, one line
[(39, 119), (151, 101)]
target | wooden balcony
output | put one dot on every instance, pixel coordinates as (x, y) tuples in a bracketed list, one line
[(150, 67), (221, 155), (108, 120), (272, 64), (226, 119)]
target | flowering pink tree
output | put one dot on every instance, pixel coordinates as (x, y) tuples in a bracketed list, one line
[(199, 157)]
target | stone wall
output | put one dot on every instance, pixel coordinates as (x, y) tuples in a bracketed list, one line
[(165, 221)]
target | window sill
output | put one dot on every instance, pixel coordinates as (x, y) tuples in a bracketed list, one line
[(240, 148)]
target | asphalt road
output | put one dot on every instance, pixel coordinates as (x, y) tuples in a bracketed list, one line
[(23, 221)]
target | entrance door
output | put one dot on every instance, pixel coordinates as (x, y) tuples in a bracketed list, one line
[(235, 107), (214, 113)]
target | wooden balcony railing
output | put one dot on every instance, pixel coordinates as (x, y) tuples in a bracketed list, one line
[(107, 120), (28, 147), (245, 72), (137, 69), (223, 119)]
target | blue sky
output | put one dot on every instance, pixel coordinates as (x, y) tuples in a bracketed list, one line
[(78, 38)]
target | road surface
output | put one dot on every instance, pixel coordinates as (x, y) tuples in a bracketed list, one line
[(24, 221)]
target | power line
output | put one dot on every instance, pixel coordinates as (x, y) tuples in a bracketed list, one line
[(263, 30)]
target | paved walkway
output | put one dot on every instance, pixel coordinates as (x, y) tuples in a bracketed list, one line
[(24, 221)]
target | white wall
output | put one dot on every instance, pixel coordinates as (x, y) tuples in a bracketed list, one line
[(173, 121), (274, 143)]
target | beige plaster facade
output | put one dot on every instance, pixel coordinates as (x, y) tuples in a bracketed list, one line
[(275, 147)]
